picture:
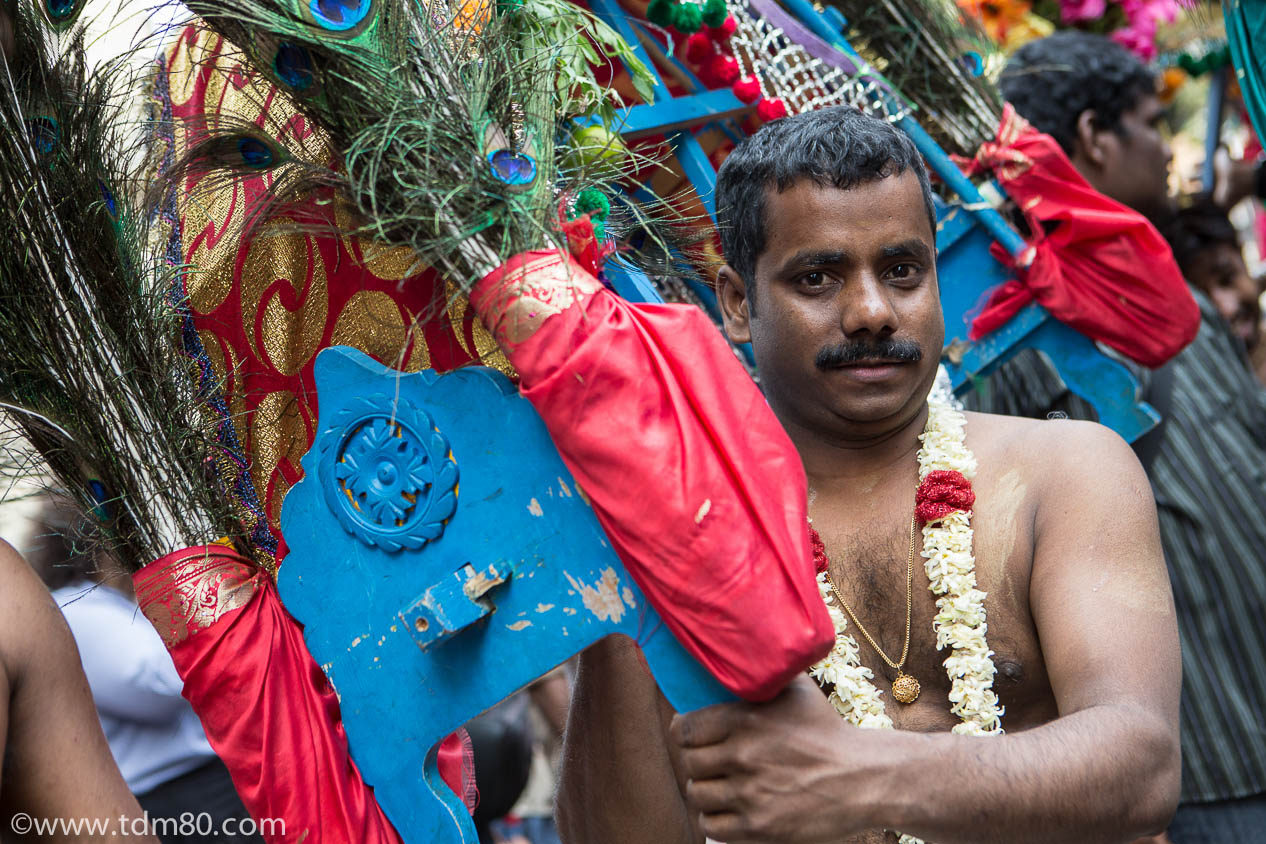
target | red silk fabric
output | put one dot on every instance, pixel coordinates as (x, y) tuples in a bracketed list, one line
[(693, 478), (1095, 264), (267, 708)]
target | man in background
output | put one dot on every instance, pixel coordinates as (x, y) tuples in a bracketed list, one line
[(1206, 461), (1207, 249)]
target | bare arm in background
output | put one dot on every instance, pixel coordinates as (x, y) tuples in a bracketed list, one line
[(618, 780), (56, 763)]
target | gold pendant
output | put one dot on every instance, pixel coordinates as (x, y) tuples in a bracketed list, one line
[(905, 689)]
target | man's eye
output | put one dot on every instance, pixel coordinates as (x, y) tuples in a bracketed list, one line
[(813, 279), (903, 271)]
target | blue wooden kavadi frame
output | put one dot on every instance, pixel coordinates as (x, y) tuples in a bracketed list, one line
[(442, 557)]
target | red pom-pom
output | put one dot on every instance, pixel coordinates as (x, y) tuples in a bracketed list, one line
[(747, 89), (725, 30), (724, 70), (771, 109), (941, 493), (698, 47)]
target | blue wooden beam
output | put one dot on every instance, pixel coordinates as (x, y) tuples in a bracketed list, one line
[(679, 113)]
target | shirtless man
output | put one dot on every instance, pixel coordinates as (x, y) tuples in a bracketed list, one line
[(56, 763), (830, 245)]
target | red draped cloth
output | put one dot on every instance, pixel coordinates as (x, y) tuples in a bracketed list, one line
[(695, 482), (1095, 264), (267, 708)]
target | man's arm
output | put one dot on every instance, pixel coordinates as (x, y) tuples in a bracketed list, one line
[(56, 762), (618, 781), (1106, 770)]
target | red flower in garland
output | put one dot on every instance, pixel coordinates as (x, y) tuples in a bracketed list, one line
[(820, 562), (941, 493)]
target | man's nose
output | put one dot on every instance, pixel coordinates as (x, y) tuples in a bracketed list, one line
[(867, 308)]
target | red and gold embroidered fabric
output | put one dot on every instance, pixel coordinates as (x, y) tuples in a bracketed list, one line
[(191, 589), (266, 303)]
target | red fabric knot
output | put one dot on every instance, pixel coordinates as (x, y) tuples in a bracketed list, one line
[(820, 561), (941, 493)]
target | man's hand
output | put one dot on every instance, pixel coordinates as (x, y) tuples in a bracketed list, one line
[(1232, 179), (788, 771)]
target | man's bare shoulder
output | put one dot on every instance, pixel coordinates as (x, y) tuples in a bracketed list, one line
[(1051, 448)]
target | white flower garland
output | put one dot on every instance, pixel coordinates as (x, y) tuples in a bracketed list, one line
[(960, 618)]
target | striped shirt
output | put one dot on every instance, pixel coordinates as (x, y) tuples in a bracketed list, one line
[(1208, 474)]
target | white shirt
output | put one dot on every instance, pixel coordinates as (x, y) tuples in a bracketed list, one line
[(153, 733)]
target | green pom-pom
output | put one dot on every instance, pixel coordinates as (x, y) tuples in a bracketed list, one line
[(506, 7), (599, 231), (660, 12), (593, 202), (714, 12), (688, 17)]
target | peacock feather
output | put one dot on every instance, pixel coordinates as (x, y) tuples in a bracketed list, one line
[(938, 59), (451, 122), (87, 370)]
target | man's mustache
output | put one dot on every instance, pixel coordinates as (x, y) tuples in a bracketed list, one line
[(905, 351)]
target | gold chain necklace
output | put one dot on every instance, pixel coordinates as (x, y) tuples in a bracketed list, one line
[(905, 689)]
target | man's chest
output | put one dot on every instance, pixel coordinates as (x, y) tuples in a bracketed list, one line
[(869, 569)]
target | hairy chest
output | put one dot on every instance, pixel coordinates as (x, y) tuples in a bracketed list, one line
[(869, 571)]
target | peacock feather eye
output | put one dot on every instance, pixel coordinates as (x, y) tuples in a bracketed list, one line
[(107, 198), (514, 169), (61, 12), (293, 66), (44, 133), (344, 17), (256, 154), (98, 492), (972, 63)]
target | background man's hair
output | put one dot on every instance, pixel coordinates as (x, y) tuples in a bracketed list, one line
[(1194, 230), (1052, 80), (836, 147)]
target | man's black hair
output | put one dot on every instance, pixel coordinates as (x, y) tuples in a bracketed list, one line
[(1193, 231), (1052, 80), (836, 147)]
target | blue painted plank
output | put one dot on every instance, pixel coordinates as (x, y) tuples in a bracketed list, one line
[(698, 169), (677, 113), (630, 282), (441, 558)]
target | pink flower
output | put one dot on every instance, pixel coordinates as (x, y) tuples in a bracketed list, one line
[(1081, 10), (1155, 11), (1139, 38)]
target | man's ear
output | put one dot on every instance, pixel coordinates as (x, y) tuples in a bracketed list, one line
[(735, 304), (1089, 141)]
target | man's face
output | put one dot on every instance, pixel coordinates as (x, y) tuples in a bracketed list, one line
[(1220, 272), (846, 321), (1134, 169)]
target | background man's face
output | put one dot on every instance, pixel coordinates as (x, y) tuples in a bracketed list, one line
[(1220, 272), (1135, 169), (847, 328)]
